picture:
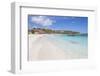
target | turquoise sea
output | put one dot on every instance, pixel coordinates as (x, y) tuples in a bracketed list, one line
[(75, 44)]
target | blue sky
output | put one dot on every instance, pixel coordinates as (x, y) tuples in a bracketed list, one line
[(72, 23)]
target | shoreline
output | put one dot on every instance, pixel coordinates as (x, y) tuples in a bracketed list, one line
[(41, 48)]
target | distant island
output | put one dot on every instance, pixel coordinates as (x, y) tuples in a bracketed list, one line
[(49, 31)]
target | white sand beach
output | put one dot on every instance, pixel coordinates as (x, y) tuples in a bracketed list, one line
[(41, 48)]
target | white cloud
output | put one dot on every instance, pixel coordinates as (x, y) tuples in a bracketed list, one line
[(42, 20)]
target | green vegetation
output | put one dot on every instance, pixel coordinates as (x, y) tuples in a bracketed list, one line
[(49, 31)]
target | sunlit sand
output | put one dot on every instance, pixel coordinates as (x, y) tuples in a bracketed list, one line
[(41, 48)]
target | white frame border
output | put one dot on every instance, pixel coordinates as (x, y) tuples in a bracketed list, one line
[(16, 30)]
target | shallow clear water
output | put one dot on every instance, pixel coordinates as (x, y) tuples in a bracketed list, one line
[(75, 44), (74, 39)]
